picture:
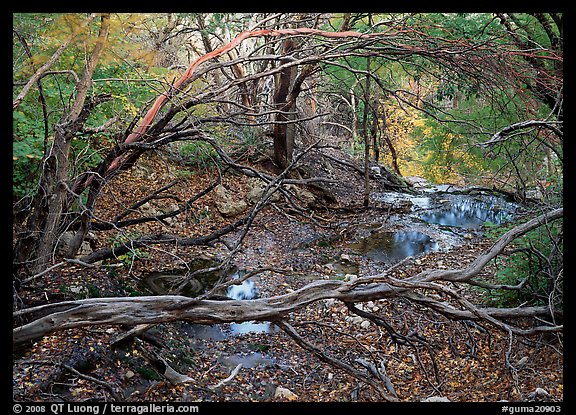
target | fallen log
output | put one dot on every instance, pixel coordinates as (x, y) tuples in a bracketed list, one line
[(170, 308)]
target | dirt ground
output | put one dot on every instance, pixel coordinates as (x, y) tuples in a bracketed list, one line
[(461, 361)]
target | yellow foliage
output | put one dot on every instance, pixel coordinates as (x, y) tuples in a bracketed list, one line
[(404, 127), (400, 125)]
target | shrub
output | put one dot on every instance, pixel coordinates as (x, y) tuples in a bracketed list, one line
[(536, 257)]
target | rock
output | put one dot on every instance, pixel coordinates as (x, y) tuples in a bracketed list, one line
[(77, 289), (64, 243), (535, 194), (257, 187), (144, 171), (350, 277), (303, 194), (357, 320), (365, 324), (226, 205), (129, 374), (149, 209), (328, 269), (417, 181), (436, 399), (539, 394), (285, 393), (306, 196)]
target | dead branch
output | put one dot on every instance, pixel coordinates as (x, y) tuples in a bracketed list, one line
[(505, 133), (290, 331), (168, 308), (224, 382)]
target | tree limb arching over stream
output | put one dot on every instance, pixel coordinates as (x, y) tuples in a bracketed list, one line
[(160, 309)]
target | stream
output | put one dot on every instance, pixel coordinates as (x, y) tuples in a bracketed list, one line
[(436, 219)]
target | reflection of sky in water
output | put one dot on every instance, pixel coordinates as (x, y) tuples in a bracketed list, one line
[(250, 327), (391, 247), (469, 213), (204, 331), (247, 290)]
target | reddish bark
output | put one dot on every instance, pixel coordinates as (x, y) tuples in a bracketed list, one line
[(161, 100)]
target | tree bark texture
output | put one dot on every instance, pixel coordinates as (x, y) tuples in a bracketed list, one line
[(49, 318), (283, 131)]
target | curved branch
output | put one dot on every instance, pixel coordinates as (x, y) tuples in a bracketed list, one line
[(505, 132), (167, 308)]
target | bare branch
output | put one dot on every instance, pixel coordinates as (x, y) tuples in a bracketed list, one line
[(42, 70)]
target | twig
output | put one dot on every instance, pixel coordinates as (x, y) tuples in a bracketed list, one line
[(59, 264), (224, 382), (106, 385), (289, 330)]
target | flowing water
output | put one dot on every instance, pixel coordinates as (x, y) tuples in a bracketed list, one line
[(438, 218), (247, 290)]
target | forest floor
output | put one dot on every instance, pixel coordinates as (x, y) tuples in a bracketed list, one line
[(461, 361)]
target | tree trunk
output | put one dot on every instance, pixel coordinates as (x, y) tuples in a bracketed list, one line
[(284, 132), (374, 134), (52, 201), (365, 132), (389, 143)]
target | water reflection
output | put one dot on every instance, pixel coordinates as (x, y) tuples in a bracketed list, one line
[(251, 327), (469, 213), (247, 290), (392, 247), (204, 331)]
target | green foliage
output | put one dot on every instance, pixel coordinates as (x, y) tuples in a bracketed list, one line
[(259, 347), (444, 154), (198, 154), (134, 253), (93, 291), (148, 373), (204, 213), (246, 142), (36, 38), (538, 259), (324, 243), (26, 156)]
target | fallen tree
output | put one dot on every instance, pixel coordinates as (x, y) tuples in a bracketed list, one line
[(167, 308), (170, 120)]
